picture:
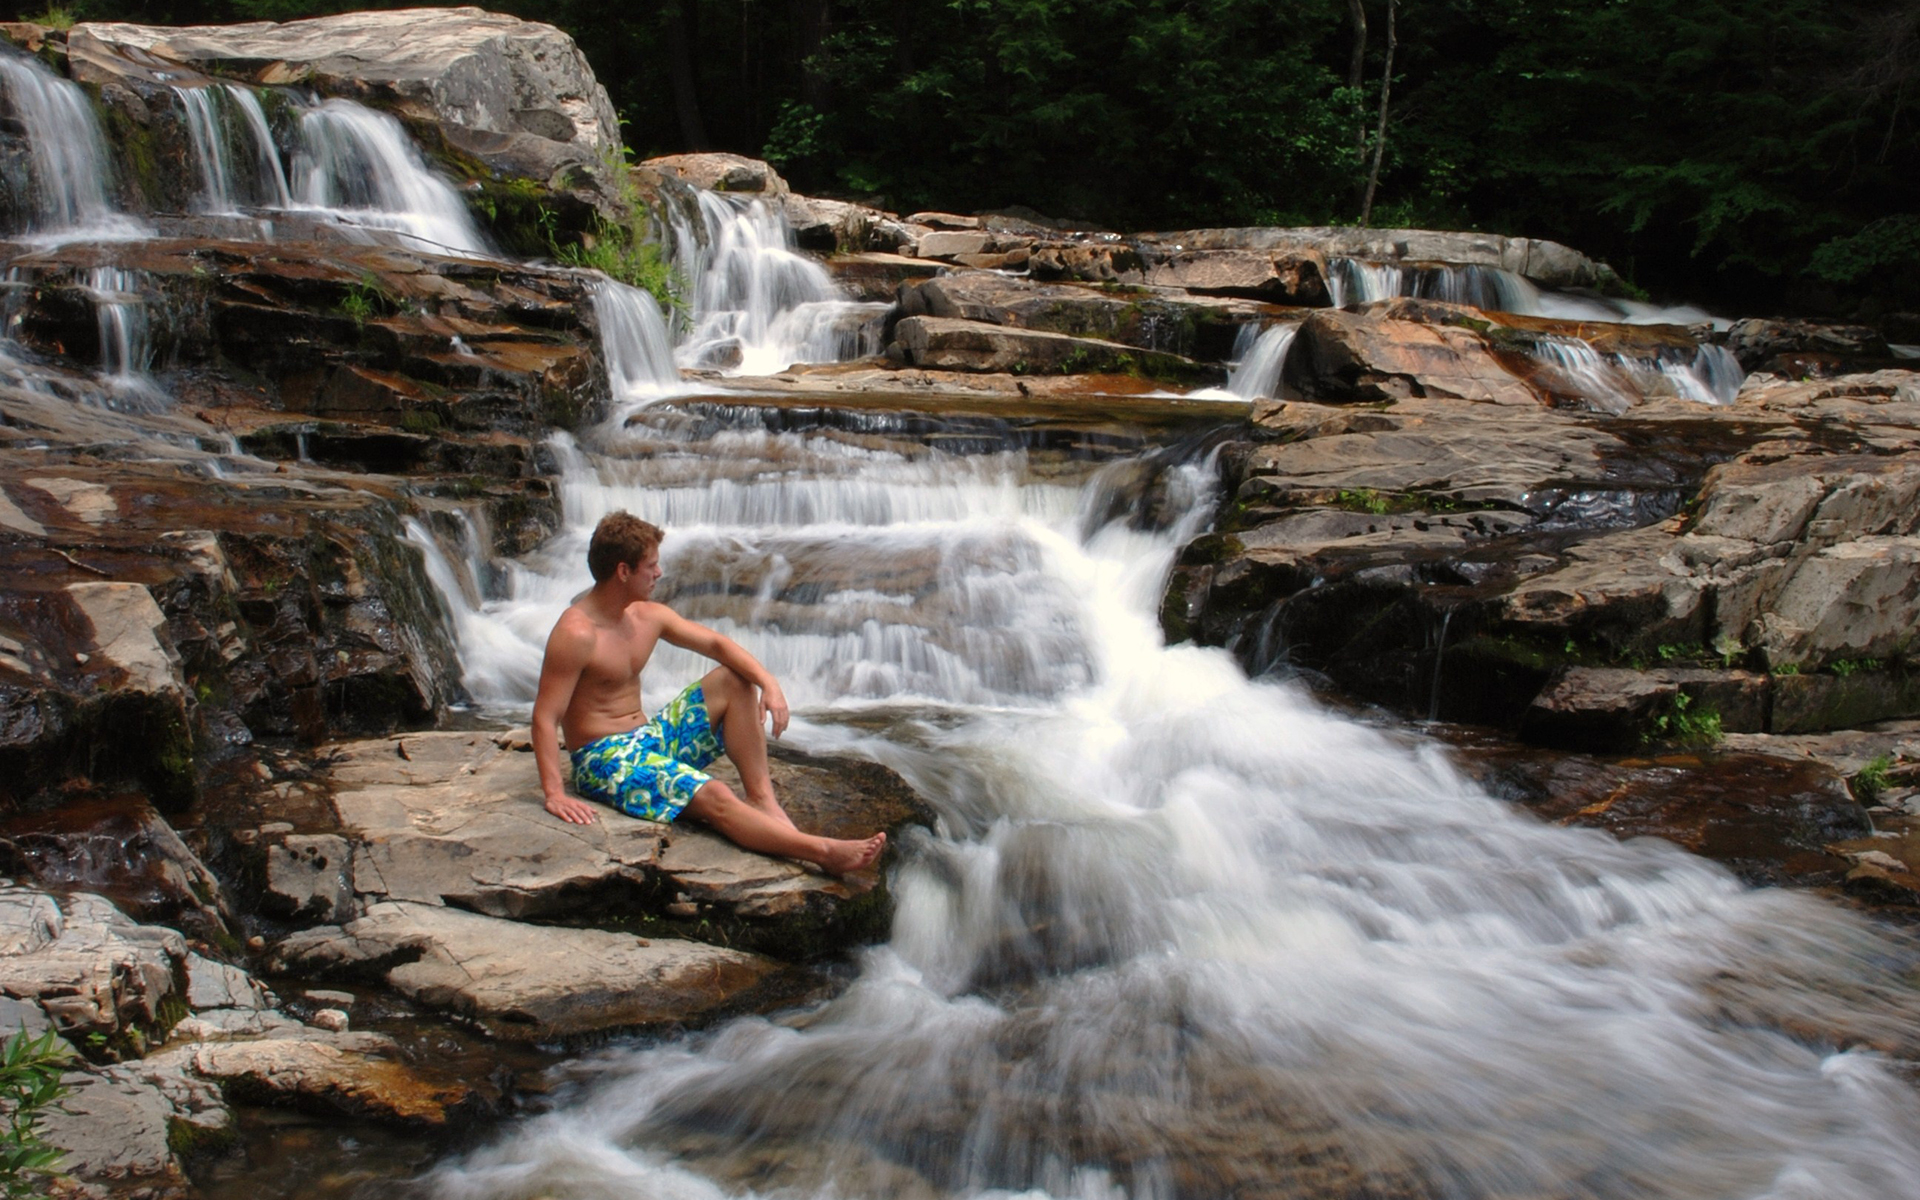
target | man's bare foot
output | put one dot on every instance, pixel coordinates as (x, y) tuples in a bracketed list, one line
[(845, 856)]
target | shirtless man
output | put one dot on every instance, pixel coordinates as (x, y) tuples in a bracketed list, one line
[(590, 686)]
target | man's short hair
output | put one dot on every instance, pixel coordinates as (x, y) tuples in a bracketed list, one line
[(620, 537)]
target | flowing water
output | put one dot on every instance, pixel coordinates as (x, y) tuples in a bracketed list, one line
[(67, 163), (359, 167), (233, 150), (758, 305), (1181, 933)]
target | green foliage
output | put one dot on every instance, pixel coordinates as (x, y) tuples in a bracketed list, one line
[(365, 299), (1844, 667), (1786, 668), (30, 1071), (624, 251), (58, 16), (1684, 724), (1871, 780), (1365, 500)]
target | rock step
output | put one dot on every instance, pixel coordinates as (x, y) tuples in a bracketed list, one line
[(940, 343), (534, 983), (454, 819)]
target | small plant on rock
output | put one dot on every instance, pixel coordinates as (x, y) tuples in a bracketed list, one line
[(1686, 725), (30, 1071), (1871, 780)]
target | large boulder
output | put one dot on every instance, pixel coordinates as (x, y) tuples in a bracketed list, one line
[(516, 96), (455, 819)]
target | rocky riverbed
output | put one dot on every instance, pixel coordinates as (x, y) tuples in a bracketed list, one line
[(1655, 576)]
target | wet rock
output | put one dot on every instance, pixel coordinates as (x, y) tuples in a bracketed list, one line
[(353, 1075), (516, 95), (879, 277), (1617, 709), (1340, 357), (1548, 263), (1168, 321), (125, 851), (1772, 821), (1096, 262), (943, 344), (88, 965), (531, 983), (1284, 278), (1761, 344)]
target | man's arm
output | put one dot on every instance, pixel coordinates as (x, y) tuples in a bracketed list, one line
[(569, 649), (689, 635)]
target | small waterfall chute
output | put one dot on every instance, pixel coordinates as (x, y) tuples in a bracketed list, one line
[(1255, 373), (68, 164), (359, 167), (126, 346), (759, 305), (634, 343), (233, 150)]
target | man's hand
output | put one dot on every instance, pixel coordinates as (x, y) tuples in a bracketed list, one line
[(773, 702), (577, 812)]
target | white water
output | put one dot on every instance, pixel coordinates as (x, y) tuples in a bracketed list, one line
[(635, 343), (760, 306), (1182, 933), (126, 349), (221, 117), (1256, 369), (358, 167), (1351, 281), (68, 156)]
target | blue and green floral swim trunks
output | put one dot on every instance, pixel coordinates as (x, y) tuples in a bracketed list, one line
[(652, 772)]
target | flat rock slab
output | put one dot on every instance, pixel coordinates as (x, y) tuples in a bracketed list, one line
[(534, 983), (452, 818)]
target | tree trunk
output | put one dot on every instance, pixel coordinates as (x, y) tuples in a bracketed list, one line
[(1380, 134), (1356, 79), (686, 84)]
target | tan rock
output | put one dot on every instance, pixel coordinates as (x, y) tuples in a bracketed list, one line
[(532, 983)]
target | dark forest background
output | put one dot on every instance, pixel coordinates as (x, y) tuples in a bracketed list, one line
[(1759, 154)]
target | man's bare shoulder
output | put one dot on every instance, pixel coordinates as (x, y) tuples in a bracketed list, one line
[(651, 614), (575, 630)]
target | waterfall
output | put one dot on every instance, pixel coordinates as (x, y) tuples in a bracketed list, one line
[(760, 306), (126, 350), (1180, 928), (219, 118), (1256, 369), (68, 163), (1352, 282), (634, 342), (358, 166), (1615, 382)]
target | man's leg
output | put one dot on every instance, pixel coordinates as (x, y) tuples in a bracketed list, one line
[(752, 828), (733, 709)]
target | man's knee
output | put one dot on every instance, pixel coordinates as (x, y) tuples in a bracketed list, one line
[(714, 802)]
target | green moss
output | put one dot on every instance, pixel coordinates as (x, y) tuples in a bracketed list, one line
[(189, 1141), (1686, 723)]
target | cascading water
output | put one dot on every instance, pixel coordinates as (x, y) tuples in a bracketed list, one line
[(126, 350), (222, 118), (760, 306), (359, 167), (68, 163), (1183, 933), (1256, 368), (1352, 282), (1614, 383), (634, 342)]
